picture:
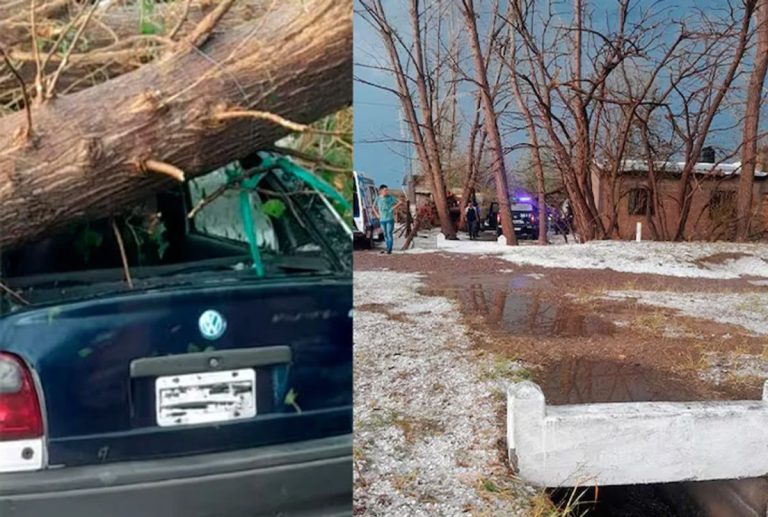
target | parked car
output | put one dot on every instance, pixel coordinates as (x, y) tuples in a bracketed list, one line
[(218, 383), (524, 220), (367, 227)]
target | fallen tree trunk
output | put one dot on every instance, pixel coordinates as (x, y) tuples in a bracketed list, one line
[(114, 22), (112, 43), (89, 153)]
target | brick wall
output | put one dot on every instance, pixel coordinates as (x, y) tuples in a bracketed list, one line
[(710, 217)]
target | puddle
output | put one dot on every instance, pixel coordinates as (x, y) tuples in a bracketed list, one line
[(525, 305), (514, 306), (585, 381)]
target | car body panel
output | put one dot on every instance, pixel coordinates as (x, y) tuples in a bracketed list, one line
[(313, 477), (366, 223), (82, 354), (523, 220)]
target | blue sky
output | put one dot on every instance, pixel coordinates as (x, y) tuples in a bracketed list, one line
[(377, 112)]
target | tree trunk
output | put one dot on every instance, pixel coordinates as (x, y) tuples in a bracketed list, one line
[(114, 43), (439, 192), (538, 166), (751, 123), (472, 165), (491, 124), (88, 154)]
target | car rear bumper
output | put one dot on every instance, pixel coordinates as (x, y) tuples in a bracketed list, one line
[(303, 478)]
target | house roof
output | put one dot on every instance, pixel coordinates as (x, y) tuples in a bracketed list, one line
[(714, 169)]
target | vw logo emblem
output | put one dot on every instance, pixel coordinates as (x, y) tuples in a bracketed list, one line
[(212, 324)]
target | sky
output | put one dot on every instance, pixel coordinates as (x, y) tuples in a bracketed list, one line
[(377, 112)]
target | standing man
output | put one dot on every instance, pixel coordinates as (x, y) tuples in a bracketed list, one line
[(384, 208), (471, 218)]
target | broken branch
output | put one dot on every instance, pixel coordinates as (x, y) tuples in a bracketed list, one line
[(123, 256), (202, 32), (13, 294), (276, 119), (164, 168), (27, 107), (52, 84), (311, 158), (213, 196), (182, 19)]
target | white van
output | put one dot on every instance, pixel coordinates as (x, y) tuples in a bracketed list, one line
[(367, 227)]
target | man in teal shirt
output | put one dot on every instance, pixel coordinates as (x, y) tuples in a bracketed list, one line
[(384, 208)]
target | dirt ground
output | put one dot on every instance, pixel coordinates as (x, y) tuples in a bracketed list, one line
[(589, 335), (558, 322)]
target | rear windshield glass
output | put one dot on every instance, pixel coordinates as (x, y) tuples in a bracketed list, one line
[(195, 232)]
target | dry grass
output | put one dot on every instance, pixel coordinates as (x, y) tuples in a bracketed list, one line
[(650, 323), (543, 506), (386, 310)]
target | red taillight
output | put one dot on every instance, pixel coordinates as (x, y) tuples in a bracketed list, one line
[(533, 218), (20, 416)]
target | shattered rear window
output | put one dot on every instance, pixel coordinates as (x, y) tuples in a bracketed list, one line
[(189, 233)]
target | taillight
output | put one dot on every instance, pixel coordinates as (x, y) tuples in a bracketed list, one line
[(20, 415), (533, 217)]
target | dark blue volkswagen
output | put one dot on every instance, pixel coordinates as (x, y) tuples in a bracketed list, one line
[(190, 357)]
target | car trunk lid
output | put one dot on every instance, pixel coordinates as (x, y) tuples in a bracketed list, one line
[(98, 362)]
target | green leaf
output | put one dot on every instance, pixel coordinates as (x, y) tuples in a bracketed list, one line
[(88, 241), (84, 352), (158, 238), (274, 208), (146, 8), (148, 28)]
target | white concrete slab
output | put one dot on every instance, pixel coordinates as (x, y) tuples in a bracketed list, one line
[(634, 443)]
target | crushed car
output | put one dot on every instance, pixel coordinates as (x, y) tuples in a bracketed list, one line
[(190, 357)]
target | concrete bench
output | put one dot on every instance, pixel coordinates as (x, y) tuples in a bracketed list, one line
[(634, 443)]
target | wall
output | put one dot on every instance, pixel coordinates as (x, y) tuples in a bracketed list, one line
[(699, 225)]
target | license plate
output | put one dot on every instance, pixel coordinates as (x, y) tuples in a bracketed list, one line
[(201, 398)]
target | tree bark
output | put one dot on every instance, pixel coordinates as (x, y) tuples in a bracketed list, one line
[(87, 160), (439, 192), (114, 43), (422, 131), (751, 123), (491, 124), (538, 166), (472, 165)]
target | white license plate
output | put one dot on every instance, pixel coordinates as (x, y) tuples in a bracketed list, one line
[(201, 398)]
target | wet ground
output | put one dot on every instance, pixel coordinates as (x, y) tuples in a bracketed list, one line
[(582, 348)]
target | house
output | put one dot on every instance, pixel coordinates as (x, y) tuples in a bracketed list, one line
[(713, 199)]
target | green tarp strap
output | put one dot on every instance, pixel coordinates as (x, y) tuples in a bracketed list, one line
[(304, 175), (249, 204), (235, 175)]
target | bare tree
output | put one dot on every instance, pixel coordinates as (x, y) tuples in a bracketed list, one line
[(490, 122), (535, 147), (751, 123), (419, 107), (567, 102), (710, 96)]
